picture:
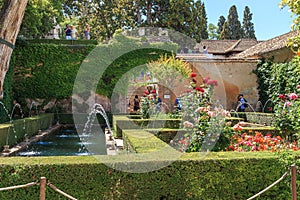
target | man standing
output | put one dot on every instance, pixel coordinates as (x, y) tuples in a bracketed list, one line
[(68, 32)]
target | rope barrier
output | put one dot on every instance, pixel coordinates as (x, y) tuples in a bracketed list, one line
[(19, 186), (270, 186), (61, 192), (3, 41)]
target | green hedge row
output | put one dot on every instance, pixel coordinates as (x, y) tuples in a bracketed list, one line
[(218, 176), (16, 131), (54, 41)]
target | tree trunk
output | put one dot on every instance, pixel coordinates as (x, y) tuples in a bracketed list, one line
[(11, 17)]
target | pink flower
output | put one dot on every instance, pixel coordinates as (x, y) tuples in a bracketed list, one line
[(205, 79), (298, 86), (192, 75), (293, 96), (188, 124), (288, 104), (212, 82), (211, 114)]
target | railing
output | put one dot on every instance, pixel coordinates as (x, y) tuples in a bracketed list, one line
[(293, 173), (43, 184)]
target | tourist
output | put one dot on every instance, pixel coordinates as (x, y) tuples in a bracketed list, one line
[(205, 50), (158, 104), (87, 32), (73, 33), (68, 32), (136, 103), (242, 103), (177, 104)]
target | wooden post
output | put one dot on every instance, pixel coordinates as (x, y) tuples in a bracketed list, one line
[(43, 188), (293, 181)]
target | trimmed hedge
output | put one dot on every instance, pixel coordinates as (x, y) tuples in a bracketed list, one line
[(224, 175), (55, 41), (20, 128)]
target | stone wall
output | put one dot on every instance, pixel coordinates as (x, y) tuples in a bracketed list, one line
[(233, 76)]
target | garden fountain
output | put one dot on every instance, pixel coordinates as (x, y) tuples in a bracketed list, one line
[(259, 106), (17, 105), (249, 105), (101, 140), (31, 106), (269, 100)]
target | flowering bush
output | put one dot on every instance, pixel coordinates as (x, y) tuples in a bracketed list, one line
[(287, 115), (259, 142), (148, 101), (201, 120)]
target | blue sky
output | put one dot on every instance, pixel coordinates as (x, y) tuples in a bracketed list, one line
[(269, 20)]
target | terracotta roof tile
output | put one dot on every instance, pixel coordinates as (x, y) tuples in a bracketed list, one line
[(273, 44), (226, 46)]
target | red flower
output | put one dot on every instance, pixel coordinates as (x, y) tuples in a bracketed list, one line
[(237, 127), (192, 75), (194, 80), (146, 92), (153, 91), (231, 147), (281, 96), (199, 89)]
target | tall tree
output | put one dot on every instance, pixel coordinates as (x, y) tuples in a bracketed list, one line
[(192, 20), (232, 27), (212, 32), (248, 26), (11, 16), (221, 23), (204, 33)]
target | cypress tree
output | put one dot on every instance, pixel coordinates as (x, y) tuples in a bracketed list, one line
[(248, 26), (232, 27)]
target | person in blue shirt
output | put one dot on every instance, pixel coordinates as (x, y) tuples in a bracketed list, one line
[(177, 103), (68, 32), (242, 103)]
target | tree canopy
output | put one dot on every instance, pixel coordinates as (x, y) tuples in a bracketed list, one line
[(40, 17)]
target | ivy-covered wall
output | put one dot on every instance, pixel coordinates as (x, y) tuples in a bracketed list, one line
[(48, 71)]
